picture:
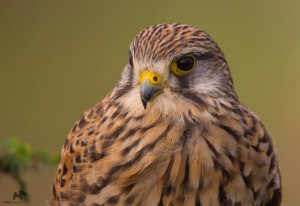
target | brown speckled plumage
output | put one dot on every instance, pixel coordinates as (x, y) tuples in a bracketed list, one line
[(194, 144)]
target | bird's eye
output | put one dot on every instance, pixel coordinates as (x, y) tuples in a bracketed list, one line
[(183, 65)]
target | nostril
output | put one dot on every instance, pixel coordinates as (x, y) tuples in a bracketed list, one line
[(155, 78)]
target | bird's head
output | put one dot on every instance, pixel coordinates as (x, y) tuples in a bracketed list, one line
[(172, 66)]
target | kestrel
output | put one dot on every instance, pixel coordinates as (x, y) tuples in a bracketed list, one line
[(171, 132)]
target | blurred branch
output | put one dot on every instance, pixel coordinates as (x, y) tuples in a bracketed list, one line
[(17, 157)]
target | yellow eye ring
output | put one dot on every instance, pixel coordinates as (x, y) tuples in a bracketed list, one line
[(183, 65)]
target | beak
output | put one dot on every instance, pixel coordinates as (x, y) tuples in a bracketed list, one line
[(149, 86)]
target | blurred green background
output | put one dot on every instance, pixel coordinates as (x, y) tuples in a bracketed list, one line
[(58, 58)]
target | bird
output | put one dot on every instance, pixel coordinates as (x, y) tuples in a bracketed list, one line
[(172, 131)]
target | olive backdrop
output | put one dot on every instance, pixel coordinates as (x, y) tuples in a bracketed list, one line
[(58, 58)]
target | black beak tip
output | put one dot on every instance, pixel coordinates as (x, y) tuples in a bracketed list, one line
[(144, 103)]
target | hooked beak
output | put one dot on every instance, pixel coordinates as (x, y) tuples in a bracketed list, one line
[(149, 86)]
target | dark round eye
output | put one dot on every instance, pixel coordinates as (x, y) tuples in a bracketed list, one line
[(186, 63), (183, 65)]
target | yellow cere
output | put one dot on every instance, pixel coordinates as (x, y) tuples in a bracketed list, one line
[(178, 71), (151, 76)]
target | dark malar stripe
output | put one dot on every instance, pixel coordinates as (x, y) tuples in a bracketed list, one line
[(191, 96), (184, 82)]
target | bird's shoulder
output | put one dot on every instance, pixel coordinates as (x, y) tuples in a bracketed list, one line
[(85, 145), (262, 157), (256, 154)]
